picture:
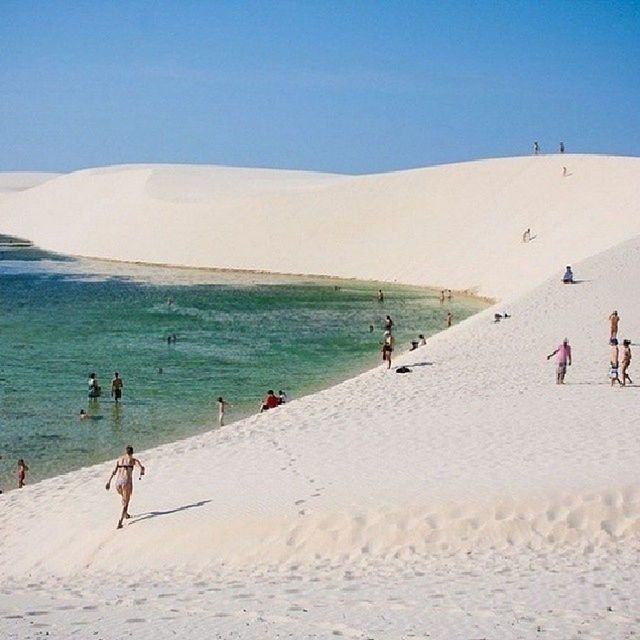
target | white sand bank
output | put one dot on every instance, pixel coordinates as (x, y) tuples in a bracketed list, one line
[(470, 498)]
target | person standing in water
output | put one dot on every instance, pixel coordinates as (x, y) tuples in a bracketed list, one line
[(380, 296), (116, 387), (21, 473), (563, 356), (124, 480), (94, 387), (614, 319), (626, 361), (388, 323), (449, 319), (222, 406)]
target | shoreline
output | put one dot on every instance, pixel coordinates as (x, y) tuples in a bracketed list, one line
[(209, 421)]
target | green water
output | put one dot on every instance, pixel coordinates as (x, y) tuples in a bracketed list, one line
[(237, 336)]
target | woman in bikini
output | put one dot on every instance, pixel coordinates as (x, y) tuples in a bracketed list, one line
[(124, 480)]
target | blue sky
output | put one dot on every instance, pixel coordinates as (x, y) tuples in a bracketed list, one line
[(353, 87)]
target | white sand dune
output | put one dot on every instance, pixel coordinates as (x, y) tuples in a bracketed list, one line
[(432, 502), (11, 181), (456, 226)]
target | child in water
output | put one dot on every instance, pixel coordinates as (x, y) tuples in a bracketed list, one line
[(21, 473)]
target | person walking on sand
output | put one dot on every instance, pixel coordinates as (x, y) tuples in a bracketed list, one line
[(124, 480), (387, 348), (626, 361), (614, 361), (614, 319), (222, 406), (563, 358), (21, 473), (116, 387), (449, 319)]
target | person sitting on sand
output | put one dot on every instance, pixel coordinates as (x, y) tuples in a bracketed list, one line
[(614, 319), (124, 480), (567, 278), (271, 401), (282, 397), (526, 236), (626, 361), (614, 359), (563, 352), (21, 473), (421, 340)]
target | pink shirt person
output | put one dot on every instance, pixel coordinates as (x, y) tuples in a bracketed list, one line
[(563, 353)]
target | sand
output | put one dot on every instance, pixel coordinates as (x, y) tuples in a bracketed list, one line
[(470, 498)]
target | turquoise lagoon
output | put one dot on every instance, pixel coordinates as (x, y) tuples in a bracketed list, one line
[(238, 334)]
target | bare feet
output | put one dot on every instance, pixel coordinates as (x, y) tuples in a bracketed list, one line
[(119, 525)]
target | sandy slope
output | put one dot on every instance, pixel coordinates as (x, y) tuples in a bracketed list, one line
[(455, 225), (431, 502), (12, 181)]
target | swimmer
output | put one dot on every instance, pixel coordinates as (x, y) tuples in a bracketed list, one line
[(83, 415), (124, 480)]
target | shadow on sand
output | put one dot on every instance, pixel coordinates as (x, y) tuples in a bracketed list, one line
[(156, 514)]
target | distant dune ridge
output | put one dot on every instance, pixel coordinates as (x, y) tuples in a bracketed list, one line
[(455, 226), (475, 453)]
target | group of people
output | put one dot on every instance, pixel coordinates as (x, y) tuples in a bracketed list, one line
[(95, 390), (617, 373), (536, 148), (271, 400)]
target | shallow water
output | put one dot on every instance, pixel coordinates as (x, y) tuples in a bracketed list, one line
[(238, 334)]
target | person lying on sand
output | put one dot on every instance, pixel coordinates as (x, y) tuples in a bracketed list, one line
[(124, 480)]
